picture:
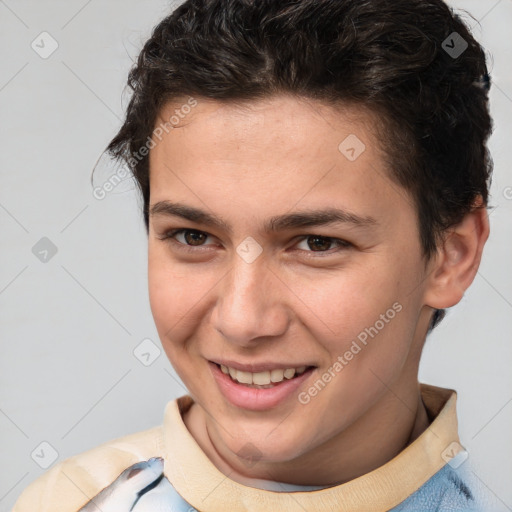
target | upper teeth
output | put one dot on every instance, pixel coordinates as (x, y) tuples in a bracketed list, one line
[(262, 378)]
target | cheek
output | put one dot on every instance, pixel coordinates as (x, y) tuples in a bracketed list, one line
[(346, 301), (174, 298), (364, 316), (171, 294), (180, 297)]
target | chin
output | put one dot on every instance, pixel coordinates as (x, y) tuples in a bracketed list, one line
[(275, 449)]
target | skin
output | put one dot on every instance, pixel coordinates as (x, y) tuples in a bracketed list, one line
[(245, 164)]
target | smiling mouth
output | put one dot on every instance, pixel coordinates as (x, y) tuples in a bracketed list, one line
[(263, 380)]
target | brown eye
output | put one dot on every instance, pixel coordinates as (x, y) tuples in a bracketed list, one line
[(319, 243), (322, 244), (192, 239)]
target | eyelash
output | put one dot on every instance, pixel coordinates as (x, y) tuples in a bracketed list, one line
[(169, 236)]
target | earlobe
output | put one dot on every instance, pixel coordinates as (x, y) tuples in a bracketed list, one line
[(458, 259)]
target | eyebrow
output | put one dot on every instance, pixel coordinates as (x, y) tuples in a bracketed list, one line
[(289, 221)]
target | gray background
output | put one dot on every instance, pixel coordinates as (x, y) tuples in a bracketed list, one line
[(70, 325)]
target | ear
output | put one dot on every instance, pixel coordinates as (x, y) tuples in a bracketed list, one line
[(458, 259)]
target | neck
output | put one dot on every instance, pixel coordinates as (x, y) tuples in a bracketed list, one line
[(379, 435)]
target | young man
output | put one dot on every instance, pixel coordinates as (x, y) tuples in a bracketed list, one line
[(315, 180)]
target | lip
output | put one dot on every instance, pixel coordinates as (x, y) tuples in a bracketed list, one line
[(257, 399), (258, 367)]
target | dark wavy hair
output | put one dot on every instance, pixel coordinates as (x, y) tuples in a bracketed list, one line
[(397, 58)]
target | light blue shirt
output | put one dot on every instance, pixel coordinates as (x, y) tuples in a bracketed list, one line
[(455, 487)]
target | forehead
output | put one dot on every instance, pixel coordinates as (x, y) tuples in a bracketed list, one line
[(273, 154), (282, 118)]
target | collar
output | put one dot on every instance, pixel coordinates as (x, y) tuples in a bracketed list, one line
[(202, 485)]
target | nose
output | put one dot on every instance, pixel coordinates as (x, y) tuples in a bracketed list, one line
[(251, 305)]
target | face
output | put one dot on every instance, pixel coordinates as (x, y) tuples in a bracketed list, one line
[(271, 286)]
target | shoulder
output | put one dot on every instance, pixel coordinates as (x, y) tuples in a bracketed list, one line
[(71, 483), (451, 489)]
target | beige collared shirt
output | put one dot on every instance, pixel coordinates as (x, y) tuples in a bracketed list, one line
[(71, 483)]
